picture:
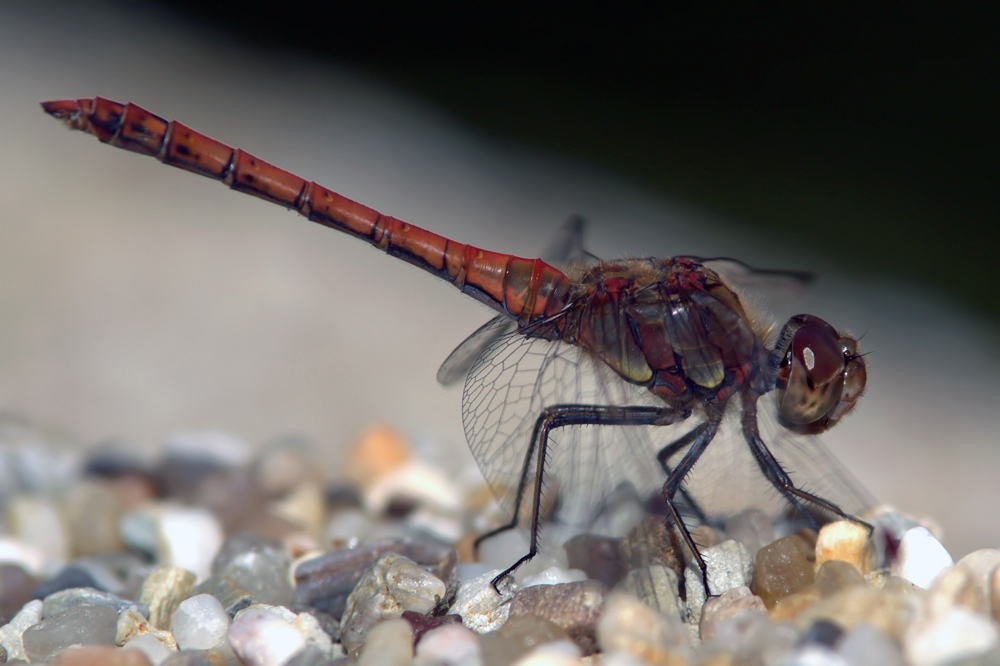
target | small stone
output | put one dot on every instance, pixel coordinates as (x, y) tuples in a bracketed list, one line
[(326, 581), (282, 464), (108, 570), (920, 557), (846, 541), (867, 646), (234, 497), (131, 624), (378, 452), (184, 537), (36, 521), (729, 565), (479, 605), (232, 597), (954, 634), (162, 591), (100, 655), (81, 596), (981, 563), (554, 576), (196, 658), (312, 657), (630, 626), (822, 632), (451, 645), (651, 543), (421, 624), (11, 633), (783, 567), (92, 512), (199, 623), (346, 528), (305, 506), (890, 610), (835, 575), (519, 636), (16, 587), (751, 638), (727, 606), (598, 556), (24, 555), (68, 578), (656, 586), (956, 586), (790, 607), (76, 626), (811, 654), (573, 606), (389, 643), (257, 564), (316, 638), (261, 638), (188, 458), (751, 527), (415, 482), (154, 649), (392, 585)]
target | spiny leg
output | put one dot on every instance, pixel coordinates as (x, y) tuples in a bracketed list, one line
[(559, 416), (664, 455)]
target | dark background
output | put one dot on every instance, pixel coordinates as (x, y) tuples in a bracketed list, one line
[(864, 130)]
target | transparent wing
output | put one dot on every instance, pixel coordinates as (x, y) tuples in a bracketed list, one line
[(456, 367)]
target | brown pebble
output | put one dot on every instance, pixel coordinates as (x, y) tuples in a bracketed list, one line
[(956, 587), (846, 541), (790, 607), (890, 609), (651, 543), (97, 655), (597, 556), (835, 575), (726, 606), (631, 627), (16, 589), (783, 567), (517, 637), (163, 590), (573, 606), (379, 451)]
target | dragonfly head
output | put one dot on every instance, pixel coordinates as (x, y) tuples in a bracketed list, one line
[(820, 375)]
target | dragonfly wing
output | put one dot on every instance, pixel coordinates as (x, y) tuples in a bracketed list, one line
[(566, 247), (461, 359)]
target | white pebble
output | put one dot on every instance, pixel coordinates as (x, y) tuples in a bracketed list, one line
[(559, 653), (200, 623), (152, 647), (390, 643), (867, 646), (481, 608), (554, 576), (449, 645), (261, 638), (920, 558), (23, 555), (10, 634), (417, 481), (183, 537), (956, 633), (35, 521)]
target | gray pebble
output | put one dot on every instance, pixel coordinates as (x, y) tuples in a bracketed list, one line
[(11, 633), (729, 565), (575, 607), (259, 565), (82, 596), (82, 625), (230, 594), (481, 608), (656, 586)]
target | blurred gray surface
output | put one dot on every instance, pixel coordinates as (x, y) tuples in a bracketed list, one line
[(138, 300)]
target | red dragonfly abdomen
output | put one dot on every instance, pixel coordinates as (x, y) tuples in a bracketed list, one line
[(526, 289)]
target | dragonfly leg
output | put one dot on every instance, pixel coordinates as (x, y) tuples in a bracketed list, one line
[(664, 455), (778, 477), (558, 416), (700, 438)]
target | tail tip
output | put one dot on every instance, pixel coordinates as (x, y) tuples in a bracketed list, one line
[(64, 109)]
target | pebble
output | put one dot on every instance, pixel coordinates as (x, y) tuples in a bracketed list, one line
[(751, 527), (726, 606), (890, 609), (379, 451), (554, 576), (154, 649), (36, 521), (575, 607), (305, 506), (421, 624), (751, 638), (196, 658), (131, 624), (630, 626), (783, 567), (951, 635), (282, 464), (822, 632), (920, 557), (258, 565), (846, 541), (81, 596), (16, 587), (199, 623), (232, 597), (100, 655), (453, 645), (392, 585), (560, 653), (26, 556), (981, 564), (835, 575), (389, 643), (656, 586), (235, 498), (11, 633), (814, 655), (519, 636), (598, 556), (162, 591), (729, 565), (261, 638), (184, 537), (956, 586), (92, 511), (68, 578), (416, 482), (867, 646), (305, 623), (346, 528), (479, 605), (650, 543), (76, 626)]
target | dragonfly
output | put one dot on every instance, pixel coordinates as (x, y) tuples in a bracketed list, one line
[(593, 374)]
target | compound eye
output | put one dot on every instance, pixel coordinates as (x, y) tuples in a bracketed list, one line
[(811, 376)]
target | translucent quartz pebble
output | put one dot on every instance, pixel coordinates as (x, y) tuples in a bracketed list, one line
[(867, 646), (630, 626), (83, 625), (392, 585), (729, 565), (727, 606), (305, 623), (834, 575), (554, 576), (573, 606), (11, 633), (517, 637), (481, 608), (783, 567), (656, 586), (751, 527), (162, 591), (846, 541), (154, 649), (261, 638), (81, 596), (231, 595), (389, 644), (200, 623), (257, 564), (920, 557)]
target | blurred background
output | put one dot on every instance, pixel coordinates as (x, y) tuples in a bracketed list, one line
[(855, 141)]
